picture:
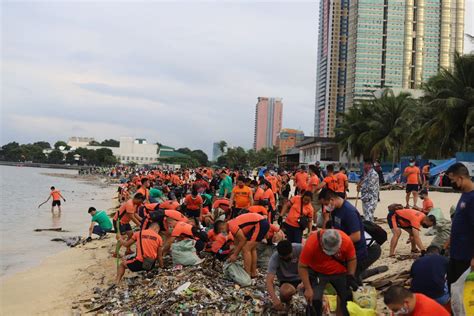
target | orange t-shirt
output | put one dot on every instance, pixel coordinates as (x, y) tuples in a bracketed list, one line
[(176, 215), (126, 210), (414, 172), (268, 195), (427, 205), (145, 192), (193, 204), (245, 222), (331, 183), (151, 242), (221, 203), (274, 182), (341, 182), (295, 211), (169, 205), (273, 229), (220, 240), (313, 182), (242, 196), (426, 170), (314, 257), (258, 194), (56, 194), (183, 230), (258, 209), (410, 218), (427, 306), (301, 179)]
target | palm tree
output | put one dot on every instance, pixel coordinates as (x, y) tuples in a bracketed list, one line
[(447, 114), (222, 145)]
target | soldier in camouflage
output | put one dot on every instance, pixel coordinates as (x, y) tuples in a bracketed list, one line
[(369, 190)]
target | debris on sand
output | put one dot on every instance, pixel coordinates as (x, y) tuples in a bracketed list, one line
[(71, 241)]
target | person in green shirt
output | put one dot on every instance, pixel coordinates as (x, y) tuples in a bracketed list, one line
[(225, 186), (156, 195), (104, 224), (207, 200)]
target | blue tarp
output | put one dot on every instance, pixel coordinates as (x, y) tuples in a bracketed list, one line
[(442, 167), (353, 177)]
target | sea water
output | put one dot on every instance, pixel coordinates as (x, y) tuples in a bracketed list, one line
[(22, 189)]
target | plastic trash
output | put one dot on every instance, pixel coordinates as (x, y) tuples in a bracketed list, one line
[(356, 310), (457, 294), (184, 253), (235, 272), (365, 297), (469, 294)]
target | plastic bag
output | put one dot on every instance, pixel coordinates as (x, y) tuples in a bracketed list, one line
[(184, 253), (457, 294), (436, 212), (235, 272), (365, 297), (356, 310)]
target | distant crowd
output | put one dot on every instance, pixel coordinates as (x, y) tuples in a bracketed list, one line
[(317, 234)]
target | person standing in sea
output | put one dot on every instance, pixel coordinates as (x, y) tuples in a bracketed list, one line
[(56, 195)]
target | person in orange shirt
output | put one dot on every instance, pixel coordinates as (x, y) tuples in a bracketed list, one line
[(402, 301), (427, 205), (410, 221), (241, 197), (313, 184), (182, 231), (193, 203), (301, 179), (144, 189), (171, 204), (297, 207), (221, 207), (126, 213), (220, 241), (342, 183), (248, 229), (330, 181), (56, 195), (412, 173), (152, 248), (265, 193), (426, 176), (272, 179)]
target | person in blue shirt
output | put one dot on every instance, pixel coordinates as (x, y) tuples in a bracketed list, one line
[(462, 229), (428, 275), (345, 217)]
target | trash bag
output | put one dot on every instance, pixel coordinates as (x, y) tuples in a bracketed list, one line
[(235, 272), (457, 294), (184, 253), (356, 310), (365, 297), (437, 212)]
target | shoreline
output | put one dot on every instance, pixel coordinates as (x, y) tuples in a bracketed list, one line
[(64, 283), (42, 165)]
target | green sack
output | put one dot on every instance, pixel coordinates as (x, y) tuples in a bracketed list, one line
[(436, 212), (235, 272), (184, 253)]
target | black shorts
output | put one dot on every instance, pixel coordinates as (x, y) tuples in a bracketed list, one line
[(122, 227), (134, 265), (412, 188), (57, 203), (192, 213)]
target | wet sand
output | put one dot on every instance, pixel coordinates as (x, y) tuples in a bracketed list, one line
[(61, 281)]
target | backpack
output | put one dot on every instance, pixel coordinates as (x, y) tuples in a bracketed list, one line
[(377, 233)]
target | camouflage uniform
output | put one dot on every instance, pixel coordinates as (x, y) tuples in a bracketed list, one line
[(369, 193), (442, 232)]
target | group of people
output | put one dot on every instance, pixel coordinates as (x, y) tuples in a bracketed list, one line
[(320, 236)]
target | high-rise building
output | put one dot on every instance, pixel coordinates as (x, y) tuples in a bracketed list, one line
[(288, 138), (382, 44), (268, 117)]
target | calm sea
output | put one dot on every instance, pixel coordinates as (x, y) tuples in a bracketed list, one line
[(22, 189)]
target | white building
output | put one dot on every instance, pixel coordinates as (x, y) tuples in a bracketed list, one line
[(135, 150), (76, 142)]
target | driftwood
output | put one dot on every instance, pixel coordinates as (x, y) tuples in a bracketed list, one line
[(59, 229), (382, 283)]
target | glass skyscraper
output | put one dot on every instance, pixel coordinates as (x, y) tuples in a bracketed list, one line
[(375, 44)]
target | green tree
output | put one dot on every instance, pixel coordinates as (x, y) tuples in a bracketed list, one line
[(110, 143), (222, 146), (200, 156), (56, 156), (447, 113), (94, 143), (60, 143), (43, 144)]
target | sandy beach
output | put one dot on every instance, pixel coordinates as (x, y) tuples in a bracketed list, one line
[(57, 285)]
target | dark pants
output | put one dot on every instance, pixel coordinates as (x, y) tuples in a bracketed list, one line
[(338, 281), (100, 231), (374, 253), (455, 269), (293, 234)]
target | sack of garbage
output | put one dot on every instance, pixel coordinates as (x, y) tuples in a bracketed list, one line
[(184, 253), (437, 212), (356, 310), (365, 297), (457, 294), (235, 272)]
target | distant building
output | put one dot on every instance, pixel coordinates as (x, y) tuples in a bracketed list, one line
[(314, 149), (78, 142), (287, 139), (290, 160), (268, 117), (216, 151)]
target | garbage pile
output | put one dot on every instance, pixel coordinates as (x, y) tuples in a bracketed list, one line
[(191, 290)]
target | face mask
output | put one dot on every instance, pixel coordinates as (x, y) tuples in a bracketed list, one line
[(424, 225), (402, 311), (412, 164)]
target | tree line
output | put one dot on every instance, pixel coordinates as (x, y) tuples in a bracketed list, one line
[(15, 152), (437, 125)]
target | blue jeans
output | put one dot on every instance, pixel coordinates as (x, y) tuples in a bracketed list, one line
[(100, 231), (443, 300)]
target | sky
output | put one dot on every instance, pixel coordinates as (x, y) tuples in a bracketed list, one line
[(185, 74)]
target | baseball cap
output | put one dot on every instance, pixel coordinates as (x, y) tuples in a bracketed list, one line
[(412, 159), (331, 241)]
